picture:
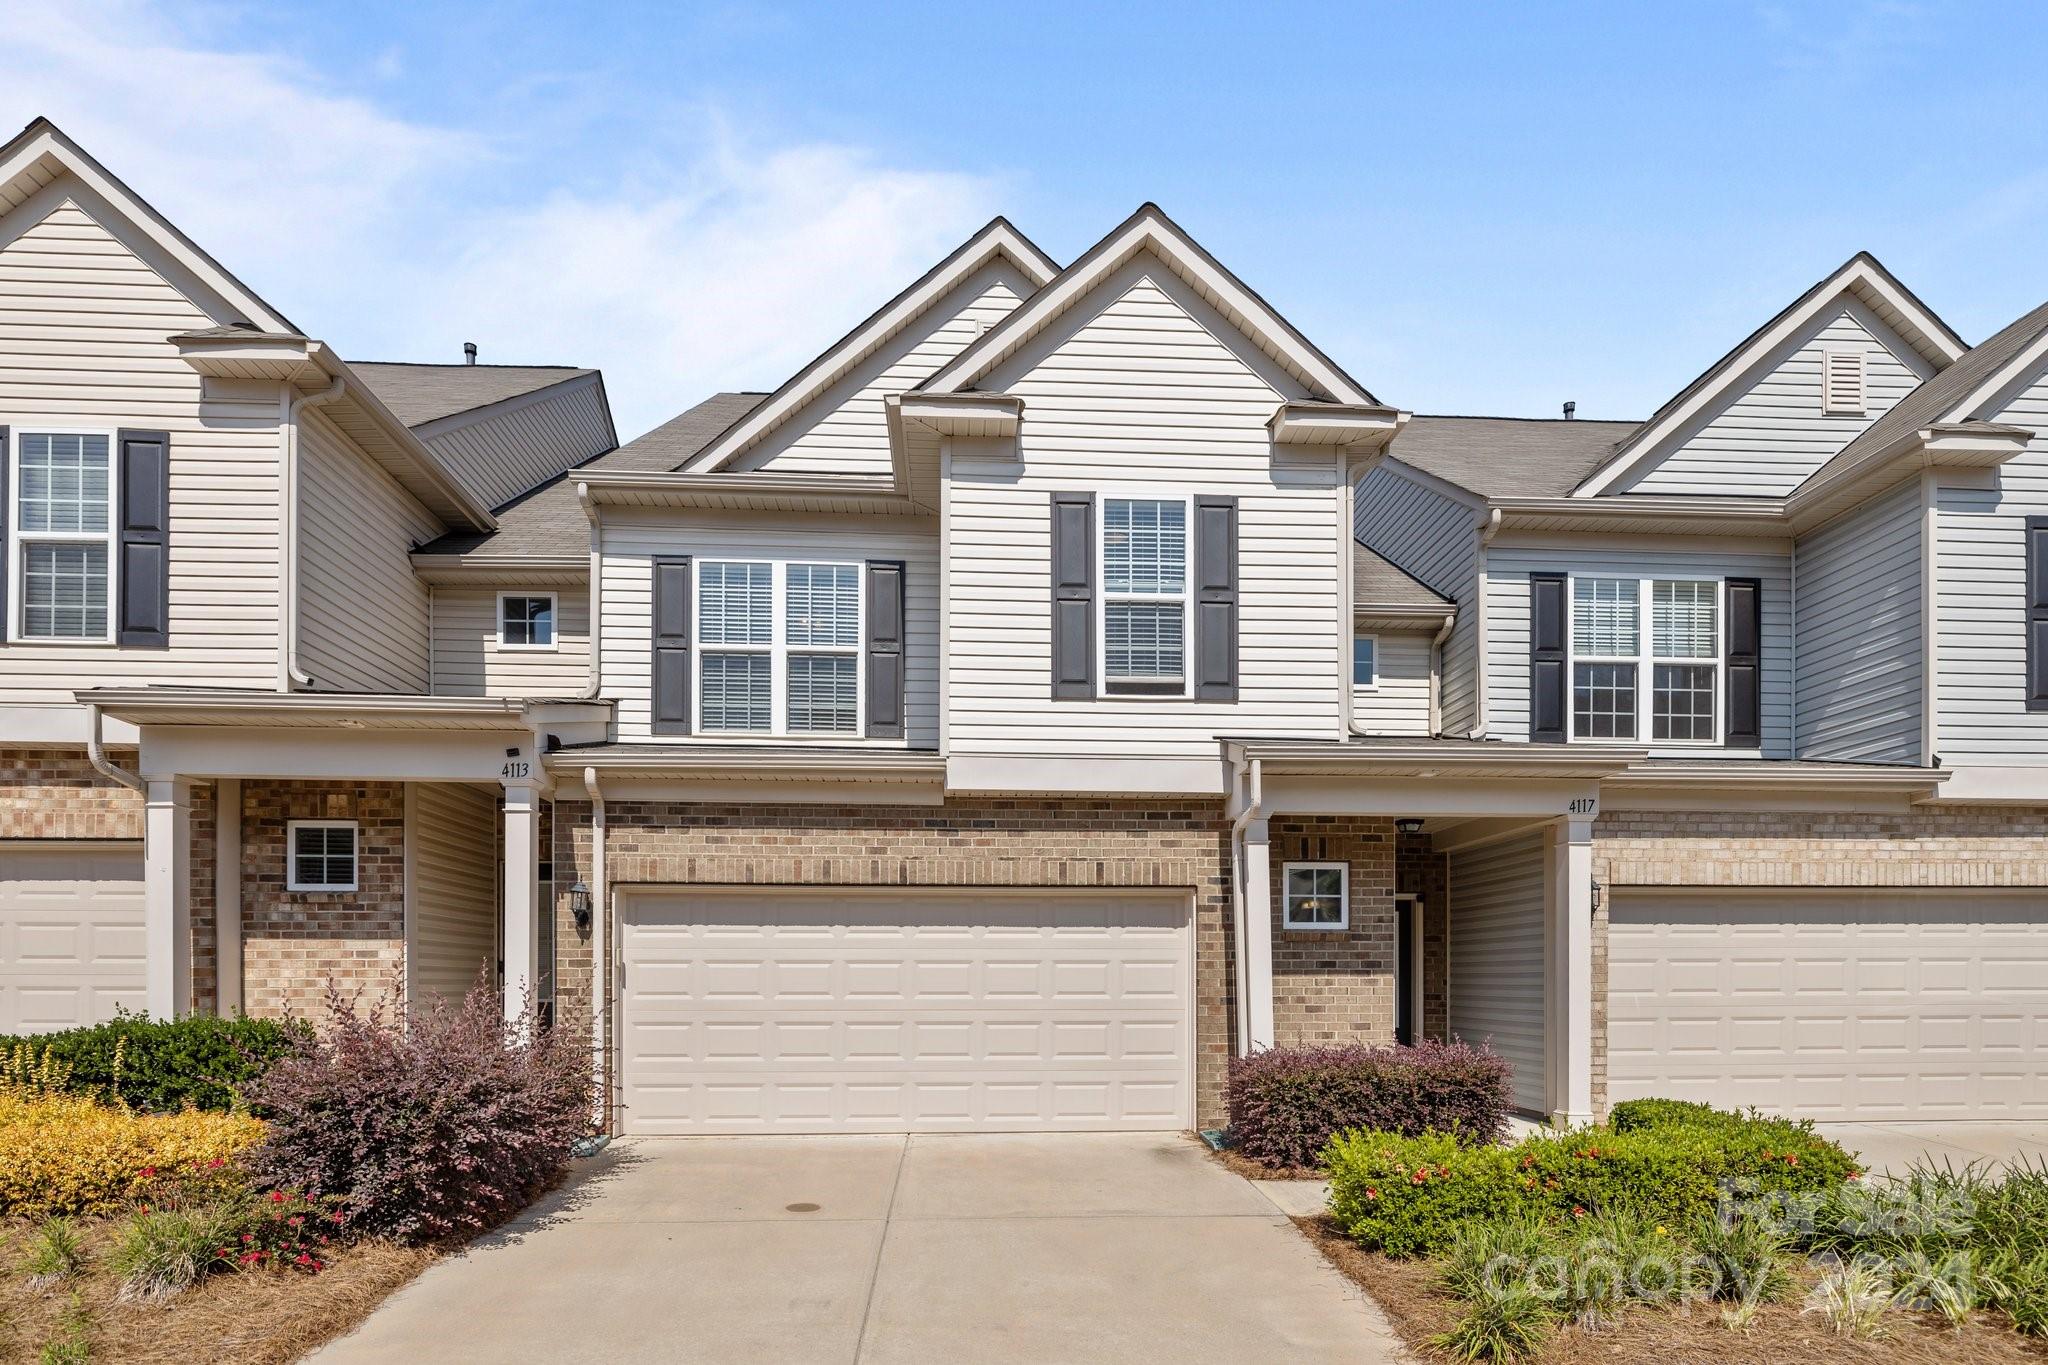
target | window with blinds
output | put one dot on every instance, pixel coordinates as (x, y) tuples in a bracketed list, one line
[(1144, 594), (778, 647), (63, 534), (1657, 678)]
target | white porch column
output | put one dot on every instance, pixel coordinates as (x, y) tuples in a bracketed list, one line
[(227, 895), (1568, 964), (1258, 936), (522, 896), (167, 897)]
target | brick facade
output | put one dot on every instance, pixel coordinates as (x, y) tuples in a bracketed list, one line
[(1020, 843), (1332, 987), (57, 794)]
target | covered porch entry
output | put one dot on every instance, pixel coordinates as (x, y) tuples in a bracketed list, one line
[(1399, 890)]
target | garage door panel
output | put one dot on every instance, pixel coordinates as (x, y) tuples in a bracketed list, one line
[(816, 1012), (1886, 1006), (71, 935)]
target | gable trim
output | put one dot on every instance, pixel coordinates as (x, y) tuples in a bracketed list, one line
[(997, 239), (1149, 229), (1862, 277)]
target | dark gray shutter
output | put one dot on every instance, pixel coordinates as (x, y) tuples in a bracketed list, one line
[(1745, 728), (144, 586), (671, 696), (2037, 613), (1073, 595), (1214, 597), (1547, 662), (885, 649), (6, 511)]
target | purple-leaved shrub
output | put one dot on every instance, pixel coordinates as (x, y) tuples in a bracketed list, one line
[(1286, 1103), (426, 1123)]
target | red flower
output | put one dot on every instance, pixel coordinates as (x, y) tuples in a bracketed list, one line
[(1369, 1194), (1578, 1212), (248, 1237), (1792, 1158), (1419, 1178), (302, 1259), (277, 1196), (149, 1172), (216, 1163), (142, 1208), (1855, 1175)]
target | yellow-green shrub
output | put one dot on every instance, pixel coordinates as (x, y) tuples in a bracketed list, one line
[(65, 1154)]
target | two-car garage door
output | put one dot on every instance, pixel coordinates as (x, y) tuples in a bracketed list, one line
[(1833, 1005), (787, 1011), (71, 947)]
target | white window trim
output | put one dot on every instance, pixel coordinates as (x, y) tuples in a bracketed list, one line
[(16, 578), (554, 615), (1184, 597), (778, 649), (1645, 662), (291, 855), (1287, 920), (1352, 663), (1834, 405)]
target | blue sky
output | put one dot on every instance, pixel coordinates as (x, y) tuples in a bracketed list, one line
[(1473, 208)]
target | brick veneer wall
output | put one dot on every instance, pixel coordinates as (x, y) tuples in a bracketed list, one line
[(1333, 987), (57, 794), (1021, 843), (294, 942)]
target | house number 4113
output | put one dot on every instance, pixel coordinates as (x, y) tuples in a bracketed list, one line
[(516, 769)]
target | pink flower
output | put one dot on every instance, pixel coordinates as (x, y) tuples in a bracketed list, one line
[(277, 1196), (1372, 1194)]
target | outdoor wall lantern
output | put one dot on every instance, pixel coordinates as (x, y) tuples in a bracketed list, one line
[(1408, 824), (579, 906)]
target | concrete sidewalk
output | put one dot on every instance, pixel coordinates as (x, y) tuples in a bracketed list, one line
[(888, 1251)]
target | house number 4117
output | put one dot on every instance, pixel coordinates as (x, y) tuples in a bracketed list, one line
[(1581, 805)]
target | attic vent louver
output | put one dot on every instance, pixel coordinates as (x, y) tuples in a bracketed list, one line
[(1841, 383)]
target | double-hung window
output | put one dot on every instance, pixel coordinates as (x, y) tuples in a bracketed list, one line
[(778, 647), (1646, 659), (63, 535), (1145, 596)]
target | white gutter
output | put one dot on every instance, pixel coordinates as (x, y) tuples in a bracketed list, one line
[(1251, 812), (600, 954), (591, 688), (288, 455), (1486, 535), (96, 752)]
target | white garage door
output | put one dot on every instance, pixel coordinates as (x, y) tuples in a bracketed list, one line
[(1877, 1005), (851, 1011), (70, 934)]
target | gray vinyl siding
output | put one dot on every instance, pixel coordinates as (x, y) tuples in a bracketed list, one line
[(511, 447), (454, 888), (1507, 626), (1435, 538), (363, 621), (1859, 645), (469, 661), (1399, 703), (1773, 433), (1980, 605), (1496, 956)]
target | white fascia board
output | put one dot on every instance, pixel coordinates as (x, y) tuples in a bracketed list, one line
[(964, 414), (1149, 229), (1097, 775), (480, 570), (1974, 403), (998, 239), (1971, 445), (1859, 276), (1343, 425)]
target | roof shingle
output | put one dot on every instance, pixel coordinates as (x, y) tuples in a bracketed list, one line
[(418, 394), (1508, 457)]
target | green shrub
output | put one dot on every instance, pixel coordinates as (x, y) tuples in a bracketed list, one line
[(1502, 1324), (1409, 1196), (1631, 1115), (161, 1066), (56, 1252), (1744, 1258), (167, 1251)]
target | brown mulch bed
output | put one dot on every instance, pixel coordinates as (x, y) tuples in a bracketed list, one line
[(1243, 1165), (1407, 1291), (254, 1318)]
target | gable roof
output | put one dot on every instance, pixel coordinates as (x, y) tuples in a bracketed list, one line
[(1863, 277), (1149, 229), (41, 152), (1507, 457), (418, 394), (1379, 583), (997, 240), (549, 520)]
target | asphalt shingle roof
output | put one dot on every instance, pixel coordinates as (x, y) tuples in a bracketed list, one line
[(1508, 457), (1378, 582), (418, 394)]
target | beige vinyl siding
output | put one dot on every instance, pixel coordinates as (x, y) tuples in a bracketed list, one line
[(1773, 432), (1399, 704), (844, 429), (469, 661), (1980, 604), (632, 544), (363, 622), (513, 446), (83, 325), (1496, 956), (1144, 390), (1435, 538), (1858, 618), (454, 888), (1507, 628)]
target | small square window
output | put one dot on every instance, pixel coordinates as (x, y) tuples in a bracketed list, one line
[(1365, 661), (321, 855), (526, 622), (1316, 895)]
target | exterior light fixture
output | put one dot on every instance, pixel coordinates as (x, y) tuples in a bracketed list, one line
[(579, 906), (1409, 824)]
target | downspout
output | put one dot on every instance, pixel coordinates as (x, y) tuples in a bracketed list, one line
[(95, 750), (1486, 535), (1347, 624), (1251, 812), (1930, 635), (591, 688), (294, 676), (1436, 675), (600, 953)]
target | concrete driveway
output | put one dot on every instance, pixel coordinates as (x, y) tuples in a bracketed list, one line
[(1893, 1148), (879, 1250)]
